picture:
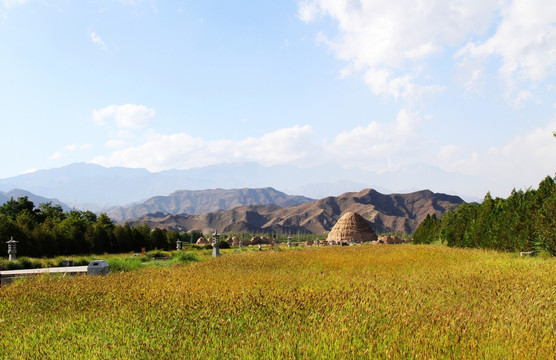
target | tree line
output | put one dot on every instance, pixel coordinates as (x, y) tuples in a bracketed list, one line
[(524, 221), (48, 230)]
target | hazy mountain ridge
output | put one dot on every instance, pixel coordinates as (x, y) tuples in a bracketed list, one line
[(400, 213), (204, 201), (94, 187), (36, 199)]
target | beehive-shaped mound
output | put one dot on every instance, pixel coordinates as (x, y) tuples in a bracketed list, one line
[(351, 227), (202, 241)]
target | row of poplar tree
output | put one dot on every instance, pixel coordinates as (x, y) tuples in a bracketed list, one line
[(524, 221), (48, 230)]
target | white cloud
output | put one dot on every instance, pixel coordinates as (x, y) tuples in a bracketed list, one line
[(128, 116), (374, 146), (385, 39), (56, 155), (97, 40), (522, 162), (378, 146), (182, 151), (75, 147), (69, 149), (129, 2), (116, 143), (381, 82), (524, 41), (8, 4)]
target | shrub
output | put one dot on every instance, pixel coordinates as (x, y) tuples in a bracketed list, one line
[(82, 261), (183, 257), (158, 253), (28, 263), (10, 265), (120, 265)]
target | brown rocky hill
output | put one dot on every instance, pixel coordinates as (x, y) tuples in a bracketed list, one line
[(204, 201), (399, 213)]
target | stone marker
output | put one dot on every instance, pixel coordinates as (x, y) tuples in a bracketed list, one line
[(98, 267), (215, 244), (12, 250)]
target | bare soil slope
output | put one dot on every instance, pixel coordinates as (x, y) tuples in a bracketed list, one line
[(399, 213)]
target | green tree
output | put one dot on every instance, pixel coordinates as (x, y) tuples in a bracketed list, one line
[(12, 208), (47, 210), (158, 239), (142, 236), (171, 238), (427, 231), (545, 222), (123, 236), (7, 228)]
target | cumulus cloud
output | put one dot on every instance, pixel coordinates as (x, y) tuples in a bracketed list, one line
[(522, 162), (97, 40), (388, 41), (181, 151), (69, 149), (57, 155), (379, 144), (128, 116), (382, 82), (8, 4), (75, 147), (524, 42), (385, 39)]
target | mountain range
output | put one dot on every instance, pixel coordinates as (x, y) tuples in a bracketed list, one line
[(204, 201), (399, 213), (97, 188), (36, 199), (228, 210)]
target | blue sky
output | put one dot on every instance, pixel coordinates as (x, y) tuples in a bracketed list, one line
[(466, 86)]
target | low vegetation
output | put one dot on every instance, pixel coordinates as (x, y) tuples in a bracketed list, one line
[(399, 301), (47, 230)]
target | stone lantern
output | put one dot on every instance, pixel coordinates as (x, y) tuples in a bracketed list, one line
[(12, 249), (178, 245), (289, 241), (215, 244)]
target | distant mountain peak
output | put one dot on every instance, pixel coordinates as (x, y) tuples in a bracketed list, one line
[(399, 213), (204, 201)]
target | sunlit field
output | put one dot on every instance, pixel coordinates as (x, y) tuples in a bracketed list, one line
[(392, 301)]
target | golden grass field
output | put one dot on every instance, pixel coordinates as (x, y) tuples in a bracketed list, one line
[(358, 302)]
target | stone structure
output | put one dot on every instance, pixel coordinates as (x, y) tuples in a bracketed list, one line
[(215, 244), (202, 241), (351, 228), (98, 267), (12, 249), (389, 240)]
